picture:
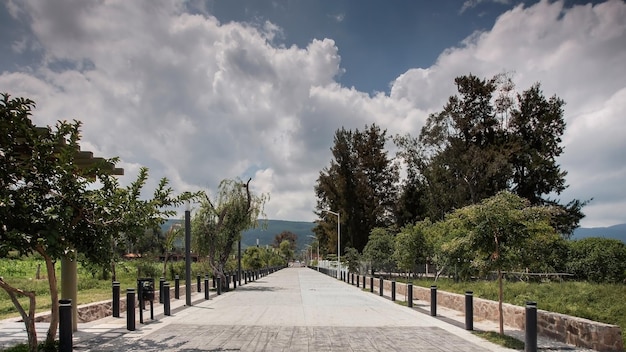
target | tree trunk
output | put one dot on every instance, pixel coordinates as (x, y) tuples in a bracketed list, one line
[(29, 319), (500, 299), (54, 296)]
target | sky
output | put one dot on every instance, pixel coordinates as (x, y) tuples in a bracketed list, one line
[(200, 91)]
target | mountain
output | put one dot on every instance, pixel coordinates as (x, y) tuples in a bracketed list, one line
[(615, 231), (265, 234)]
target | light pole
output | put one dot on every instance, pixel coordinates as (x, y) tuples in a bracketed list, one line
[(338, 241), (318, 252), (188, 254)]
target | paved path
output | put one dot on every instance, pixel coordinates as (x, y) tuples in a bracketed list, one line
[(294, 309)]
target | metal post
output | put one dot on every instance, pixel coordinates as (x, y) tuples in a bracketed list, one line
[(380, 287), (161, 282), (116, 299), (235, 281), (372, 284), (177, 287), (433, 301), (166, 299), (393, 291), (206, 287), (357, 281), (239, 261), (219, 285), (130, 309), (409, 293), (188, 256), (469, 310), (363, 281), (198, 283), (65, 325), (531, 327)]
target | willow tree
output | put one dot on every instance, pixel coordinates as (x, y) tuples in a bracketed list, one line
[(218, 223)]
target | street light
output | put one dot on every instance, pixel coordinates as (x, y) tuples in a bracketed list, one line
[(318, 252), (188, 254), (338, 241)]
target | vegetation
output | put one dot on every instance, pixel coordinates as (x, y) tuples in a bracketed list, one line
[(361, 183), (218, 224), (502, 340)]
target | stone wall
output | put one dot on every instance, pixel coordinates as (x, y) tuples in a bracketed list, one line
[(564, 328)]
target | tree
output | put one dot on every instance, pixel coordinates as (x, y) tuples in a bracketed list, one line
[(218, 224), (252, 258), (598, 259), (379, 250), (410, 247), (286, 235), (486, 140), (360, 183), (175, 232), (498, 230), (49, 204), (352, 260), (286, 250)]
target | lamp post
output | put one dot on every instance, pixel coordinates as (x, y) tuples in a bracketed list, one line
[(318, 252), (338, 241), (188, 254)]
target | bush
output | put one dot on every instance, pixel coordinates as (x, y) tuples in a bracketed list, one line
[(598, 259)]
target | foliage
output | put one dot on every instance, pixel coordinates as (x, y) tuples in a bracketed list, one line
[(360, 184), (218, 224), (598, 260), (485, 140), (352, 260), (379, 250), (410, 247), (286, 249), (286, 236), (252, 258)]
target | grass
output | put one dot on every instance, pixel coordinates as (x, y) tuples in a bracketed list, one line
[(599, 302), (502, 340)]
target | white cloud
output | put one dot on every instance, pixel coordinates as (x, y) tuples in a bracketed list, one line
[(197, 100), (469, 4)]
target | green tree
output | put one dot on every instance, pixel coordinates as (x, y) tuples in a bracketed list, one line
[(352, 260), (218, 223), (173, 233), (286, 235), (50, 205), (379, 250), (498, 231), (285, 250), (598, 259), (252, 258), (360, 184), (410, 248)]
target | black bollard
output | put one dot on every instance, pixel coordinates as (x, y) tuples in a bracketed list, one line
[(130, 309), (357, 281), (409, 293), (372, 284), (352, 278), (469, 310), (214, 285), (177, 287), (235, 281), (219, 286), (363, 281), (206, 287), (380, 286), (198, 283), (166, 299), (65, 325), (433, 301), (116, 299), (161, 282), (530, 344), (393, 291)]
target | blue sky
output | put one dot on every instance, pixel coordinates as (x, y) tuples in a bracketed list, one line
[(201, 90)]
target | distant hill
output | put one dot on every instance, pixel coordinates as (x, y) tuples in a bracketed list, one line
[(615, 231), (266, 235)]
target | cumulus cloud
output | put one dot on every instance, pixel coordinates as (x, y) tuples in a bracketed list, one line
[(197, 100)]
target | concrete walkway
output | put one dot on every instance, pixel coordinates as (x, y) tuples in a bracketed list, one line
[(295, 309)]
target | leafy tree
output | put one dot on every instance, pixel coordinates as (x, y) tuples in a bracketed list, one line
[(410, 247), (175, 232), (598, 259), (360, 183), (379, 250), (486, 140), (252, 258), (498, 230), (286, 235), (49, 204), (352, 260), (218, 224), (286, 250)]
